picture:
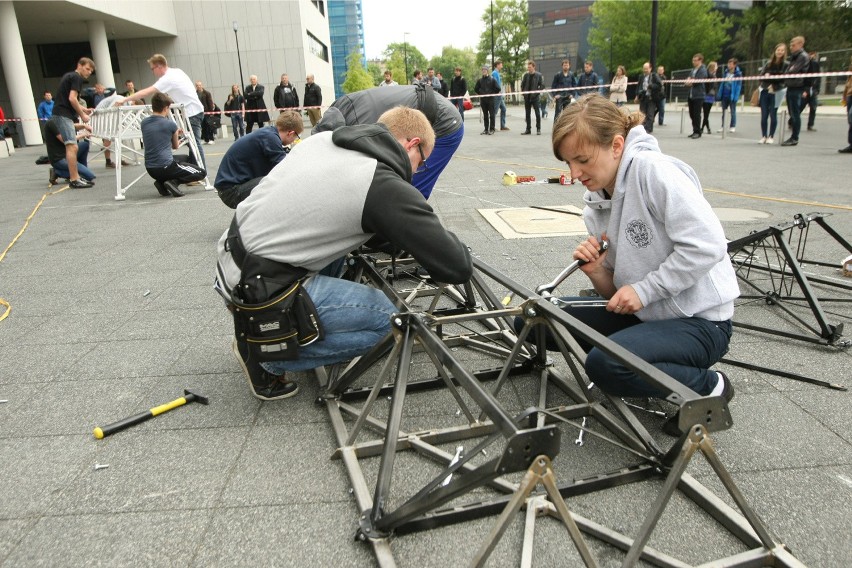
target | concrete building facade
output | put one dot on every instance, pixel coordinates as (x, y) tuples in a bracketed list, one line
[(198, 37)]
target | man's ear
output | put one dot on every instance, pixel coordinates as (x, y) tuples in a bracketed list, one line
[(411, 143)]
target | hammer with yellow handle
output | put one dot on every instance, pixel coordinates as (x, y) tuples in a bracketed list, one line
[(189, 396)]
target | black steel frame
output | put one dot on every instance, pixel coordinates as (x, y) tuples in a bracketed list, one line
[(768, 256), (522, 444)]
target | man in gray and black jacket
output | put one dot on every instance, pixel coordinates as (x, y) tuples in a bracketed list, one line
[(336, 191)]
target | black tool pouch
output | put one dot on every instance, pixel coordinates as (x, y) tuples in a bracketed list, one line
[(273, 313)]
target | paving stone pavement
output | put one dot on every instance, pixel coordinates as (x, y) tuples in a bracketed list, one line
[(113, 312)]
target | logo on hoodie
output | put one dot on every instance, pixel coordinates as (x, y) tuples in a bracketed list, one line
[(639, 234)]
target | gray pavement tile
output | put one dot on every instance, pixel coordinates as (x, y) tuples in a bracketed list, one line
[(152, 471), (23, 364), (284, 466), (829, 408), (11, 532), (19, 328), (36, 469), (189, 295), (66, 407), (162, 324), (206, 354), (76, 328), (771, 432), (158, 538), (303, 534), (133, 358)]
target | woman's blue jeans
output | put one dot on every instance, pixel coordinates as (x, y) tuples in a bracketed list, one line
[(683, 348), (768, 112), (354, 318), (726, 104)]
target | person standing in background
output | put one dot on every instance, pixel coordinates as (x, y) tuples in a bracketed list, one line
[(500, 103), (255, 105), (696, 93), (661, 104), (313, 98), (458, 89), (729, 92), (235, 107)]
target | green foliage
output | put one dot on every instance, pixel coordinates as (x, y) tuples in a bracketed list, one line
[(826, 25), (683, 29), (452, 57), (357, 78), (376, 73), (395, 57), (511, 39)]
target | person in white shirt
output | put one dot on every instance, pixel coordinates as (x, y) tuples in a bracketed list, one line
[(177, 84)]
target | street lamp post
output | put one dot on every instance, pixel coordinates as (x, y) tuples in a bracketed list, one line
[(405, 55), (239, 59)]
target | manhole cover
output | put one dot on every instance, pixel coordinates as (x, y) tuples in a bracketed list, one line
[(528, 222)]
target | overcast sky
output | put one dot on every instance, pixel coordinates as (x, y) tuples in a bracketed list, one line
[(430, 24)]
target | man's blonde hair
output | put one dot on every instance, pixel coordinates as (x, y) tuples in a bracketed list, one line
[(290, 120), (158, 59), (408, 123)]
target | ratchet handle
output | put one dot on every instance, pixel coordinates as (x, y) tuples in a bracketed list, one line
[(547, 289)]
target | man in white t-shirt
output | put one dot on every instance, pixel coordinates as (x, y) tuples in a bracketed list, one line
[(177, 84)]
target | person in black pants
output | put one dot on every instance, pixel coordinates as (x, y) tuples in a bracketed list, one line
[(486, 87), (531, 84), (696, 93)]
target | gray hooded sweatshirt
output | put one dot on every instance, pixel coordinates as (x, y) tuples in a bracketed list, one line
[(665, 240)]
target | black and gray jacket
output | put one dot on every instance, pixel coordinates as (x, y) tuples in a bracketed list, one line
[(341, 189), (365, 107)]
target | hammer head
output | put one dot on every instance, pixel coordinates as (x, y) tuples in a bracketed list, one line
[(192, 396)]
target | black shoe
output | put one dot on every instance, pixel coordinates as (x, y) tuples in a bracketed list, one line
[(53, 177), (526, 133), (161, 188), (264, 386), (491, 131), (484, 133), (846, 150), (811, 129), (695, 135), (538, 131), (81, 183), (670, 426), (172, 187), (790, 142)]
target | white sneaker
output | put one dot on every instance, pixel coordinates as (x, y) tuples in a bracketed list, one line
[(720, 130), (732, 129), (770, 140), (762, 140)]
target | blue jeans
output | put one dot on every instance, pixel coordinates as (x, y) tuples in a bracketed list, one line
[(849, 118), (794, 107), (60, 168), (445, 147), (354, 318), (768, 112), (239, 125), (728, 103), (195, 122), (501, 106), (661, 111), (682, 348), (460, 105)]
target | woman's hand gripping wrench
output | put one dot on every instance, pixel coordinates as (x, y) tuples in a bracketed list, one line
[(546, 290)]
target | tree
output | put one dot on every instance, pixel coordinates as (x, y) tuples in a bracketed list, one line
[(357, 78), (825, 25), (683, 29), (452, 57), (395, 56), (375, 72), (511, 39)]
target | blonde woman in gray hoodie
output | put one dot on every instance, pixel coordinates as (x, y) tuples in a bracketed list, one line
[(666, 276)]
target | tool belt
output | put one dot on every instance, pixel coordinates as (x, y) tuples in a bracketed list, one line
[(273, 313)]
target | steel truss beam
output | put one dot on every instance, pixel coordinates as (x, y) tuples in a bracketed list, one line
[(440, 332)]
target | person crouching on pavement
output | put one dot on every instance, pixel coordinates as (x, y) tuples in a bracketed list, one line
[(253, 156), (667, 278), (334, 192), (160, 136)]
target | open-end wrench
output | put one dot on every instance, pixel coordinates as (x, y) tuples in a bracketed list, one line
[(579, 440)]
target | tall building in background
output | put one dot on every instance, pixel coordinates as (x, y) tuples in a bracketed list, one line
[(198, 36), (346, 30)]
